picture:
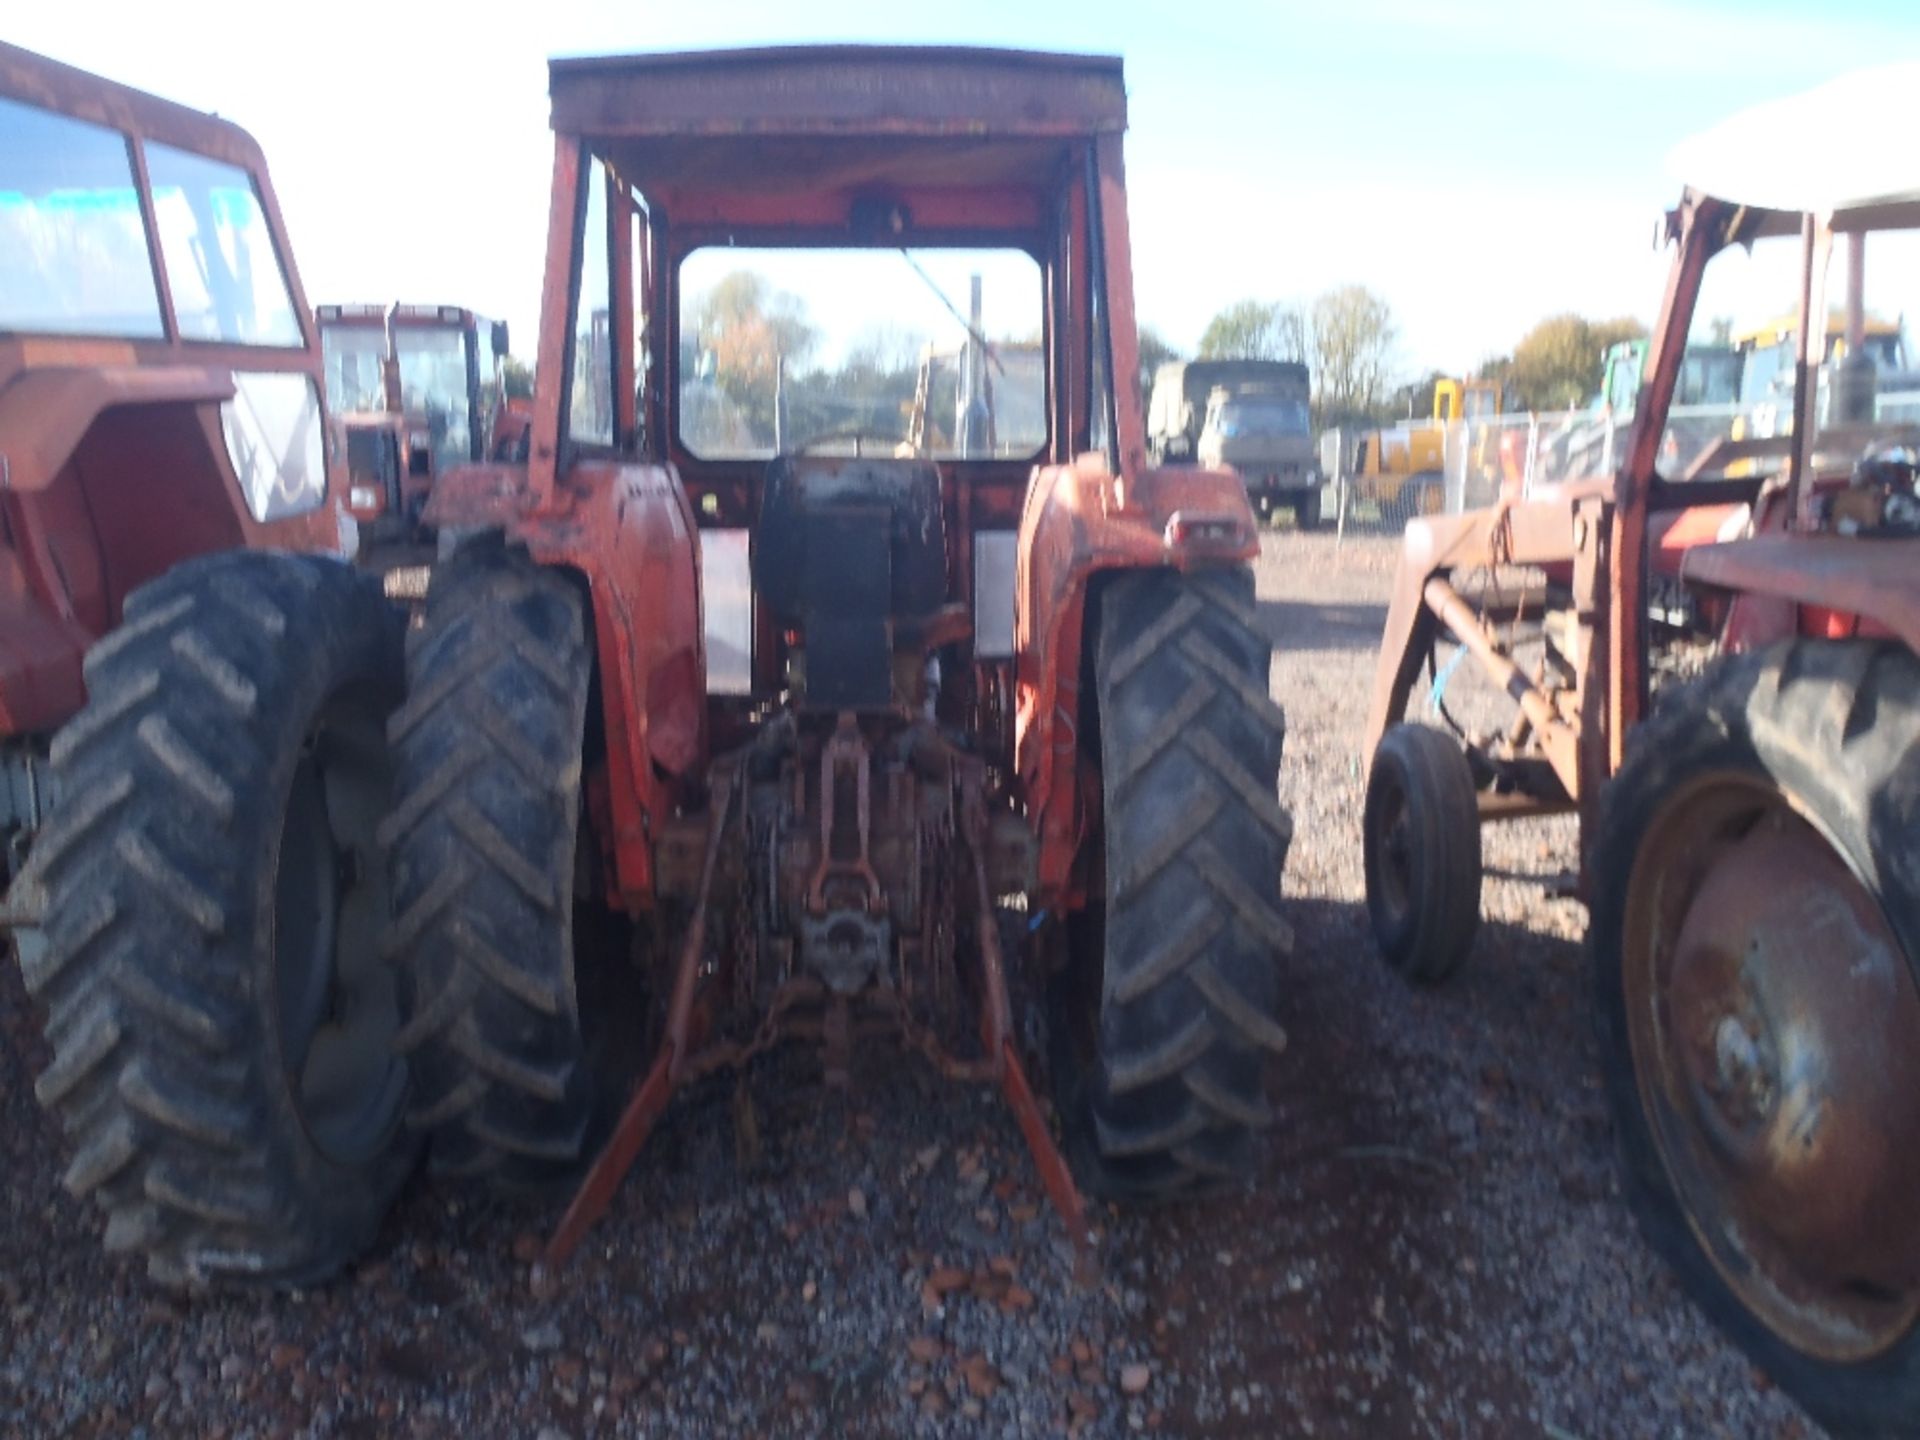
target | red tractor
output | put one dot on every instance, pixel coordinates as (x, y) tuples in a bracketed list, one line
[(1718, 668), (193, 690), (739, 700), (417, 389)]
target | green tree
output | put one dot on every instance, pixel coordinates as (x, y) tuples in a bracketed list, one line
[(1255, 330), (1557, 365), (750, 328), (1352, 339), (1155, 351), (517, 377)]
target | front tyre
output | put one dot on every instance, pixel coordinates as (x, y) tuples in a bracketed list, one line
[(1421, 829), (1180, 966), (1756, 943), (220, 1018)]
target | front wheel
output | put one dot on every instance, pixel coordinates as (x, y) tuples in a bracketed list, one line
[(1421, 828), (1161, 1045), (1756, 950), (220, 1017)]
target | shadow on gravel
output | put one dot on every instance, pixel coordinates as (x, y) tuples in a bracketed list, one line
[(1300, 628), (1365, 1285)]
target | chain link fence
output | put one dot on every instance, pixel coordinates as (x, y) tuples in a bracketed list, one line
[(1381, 478)]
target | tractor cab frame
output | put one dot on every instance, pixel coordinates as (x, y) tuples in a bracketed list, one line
[(848, 696), (159, 383), (1044, 175)]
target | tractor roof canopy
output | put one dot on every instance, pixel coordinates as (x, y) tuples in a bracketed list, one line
[(1828, 150), (715, 135)]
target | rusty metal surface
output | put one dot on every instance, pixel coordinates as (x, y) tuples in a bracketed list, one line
[(839, 90), (1878, 579), (1537, 532), (44, 414), (1556, 736), (40, 652), (1775, 1022)]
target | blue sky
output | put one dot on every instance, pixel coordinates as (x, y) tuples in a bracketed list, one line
[(1480, 163)]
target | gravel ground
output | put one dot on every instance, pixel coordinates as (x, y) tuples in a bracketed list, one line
[(1436, 1245)]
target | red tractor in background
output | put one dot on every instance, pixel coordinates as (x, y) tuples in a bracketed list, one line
[(188, 813), (1718, 669), (776, 725), (417, 389)]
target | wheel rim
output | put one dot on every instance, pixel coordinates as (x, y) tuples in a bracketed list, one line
[(335, 1001), (1775, 1029)]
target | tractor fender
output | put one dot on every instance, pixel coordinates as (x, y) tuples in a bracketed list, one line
[(40, 654), (109, 476), (628, 532), (45, 414), (1080, 521), (1876, 580)]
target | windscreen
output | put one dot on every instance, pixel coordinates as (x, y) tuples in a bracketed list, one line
[(226, 280), (1271, 415), (352, 355), (433, 388), (73, 246), (875, 352)]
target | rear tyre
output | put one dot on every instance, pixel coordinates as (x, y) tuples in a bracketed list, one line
[(482, 841), (1421, 829), (1163, 1086), (1306, 510), (220, 1021), (1756, 946)]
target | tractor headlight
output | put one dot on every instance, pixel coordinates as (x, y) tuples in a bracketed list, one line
[(275, 438)]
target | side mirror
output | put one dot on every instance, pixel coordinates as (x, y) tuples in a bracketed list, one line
[(500, 346)]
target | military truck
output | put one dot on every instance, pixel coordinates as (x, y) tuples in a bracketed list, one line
[(1249, 416)]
